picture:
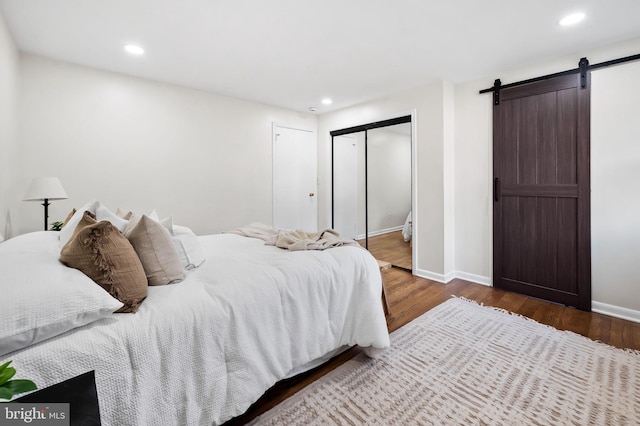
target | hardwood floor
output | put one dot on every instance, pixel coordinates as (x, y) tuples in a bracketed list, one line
[(391, 247), (410, 296)]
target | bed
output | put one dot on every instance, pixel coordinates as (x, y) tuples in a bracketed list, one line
[(202, 350)]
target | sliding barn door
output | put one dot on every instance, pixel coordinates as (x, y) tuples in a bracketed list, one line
[(541, 219)]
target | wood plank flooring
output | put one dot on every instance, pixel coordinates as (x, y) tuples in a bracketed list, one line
[(390, 247), (410, 296)]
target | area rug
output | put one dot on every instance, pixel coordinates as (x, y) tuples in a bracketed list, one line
[(466, 364)]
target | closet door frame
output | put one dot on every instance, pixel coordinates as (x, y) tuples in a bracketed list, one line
[(409, 117)]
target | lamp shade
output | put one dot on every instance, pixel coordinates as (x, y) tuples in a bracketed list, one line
[(45, 188)]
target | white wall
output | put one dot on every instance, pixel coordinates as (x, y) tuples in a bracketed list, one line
[(389, 180), (472, 193), (448, 176), (9, 167), (431, 125), (613, 136), (205, 158), (615, 188), (140, 145)]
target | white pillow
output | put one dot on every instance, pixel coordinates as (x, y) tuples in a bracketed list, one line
[(101, 213), (43, 297), (67, 230), (181, 230), (188, 247), (189, 250)]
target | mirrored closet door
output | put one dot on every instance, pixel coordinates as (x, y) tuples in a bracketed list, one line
[(371, 187)]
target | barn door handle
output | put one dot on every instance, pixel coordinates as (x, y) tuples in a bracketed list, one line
[(496, 189)]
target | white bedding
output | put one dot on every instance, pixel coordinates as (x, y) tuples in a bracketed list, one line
[(203, 350), (407, 230)]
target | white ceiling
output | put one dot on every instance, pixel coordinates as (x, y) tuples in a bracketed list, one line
[(292, 53)]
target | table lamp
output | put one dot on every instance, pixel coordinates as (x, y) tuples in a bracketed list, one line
[(45, 189)]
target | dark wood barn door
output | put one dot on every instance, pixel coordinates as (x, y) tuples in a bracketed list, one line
[(541, 215)]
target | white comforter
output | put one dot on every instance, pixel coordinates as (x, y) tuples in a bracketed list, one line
[(201, 351)]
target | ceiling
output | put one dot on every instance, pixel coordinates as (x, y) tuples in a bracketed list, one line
[(293, 53)]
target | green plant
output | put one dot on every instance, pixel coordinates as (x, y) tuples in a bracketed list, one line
[(9, 387), (56, 226)]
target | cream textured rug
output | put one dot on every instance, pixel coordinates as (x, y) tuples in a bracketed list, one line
[(466, 364)]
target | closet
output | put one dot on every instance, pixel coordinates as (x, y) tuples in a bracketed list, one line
[(371, 179)]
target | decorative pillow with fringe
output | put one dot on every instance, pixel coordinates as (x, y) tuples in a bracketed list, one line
[(102, 253)]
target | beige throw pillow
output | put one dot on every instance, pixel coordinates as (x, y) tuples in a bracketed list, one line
[(102, 253), (124, 214), (152, 242)]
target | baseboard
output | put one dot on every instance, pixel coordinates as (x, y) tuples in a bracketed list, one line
[(433, 276), (599, 307), (449, 276), (616, 311), (478, 279), (379, 232)]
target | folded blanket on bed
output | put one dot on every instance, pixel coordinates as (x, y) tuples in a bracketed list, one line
[(295, 240), (301, 240)]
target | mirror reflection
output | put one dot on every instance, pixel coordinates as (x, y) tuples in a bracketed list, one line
[(372, 190), (389, 198), (349, 208)]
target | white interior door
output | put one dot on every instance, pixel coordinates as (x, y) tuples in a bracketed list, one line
[(345, 178), (294, 179)]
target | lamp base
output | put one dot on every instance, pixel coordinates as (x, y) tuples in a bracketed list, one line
[(46, 213)]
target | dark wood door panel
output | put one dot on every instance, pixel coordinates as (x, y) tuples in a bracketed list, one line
[(539, 243), (568, 250), (567, 170), (533, 154), (551, 85), (541, 292), (541, 204), (547, 264), (545, 190)]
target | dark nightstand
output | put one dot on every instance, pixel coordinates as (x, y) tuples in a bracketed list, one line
[(80, 392)]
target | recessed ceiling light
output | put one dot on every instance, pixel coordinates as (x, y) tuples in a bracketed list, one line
[(134, 49), (327, 101), (574, 18)]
